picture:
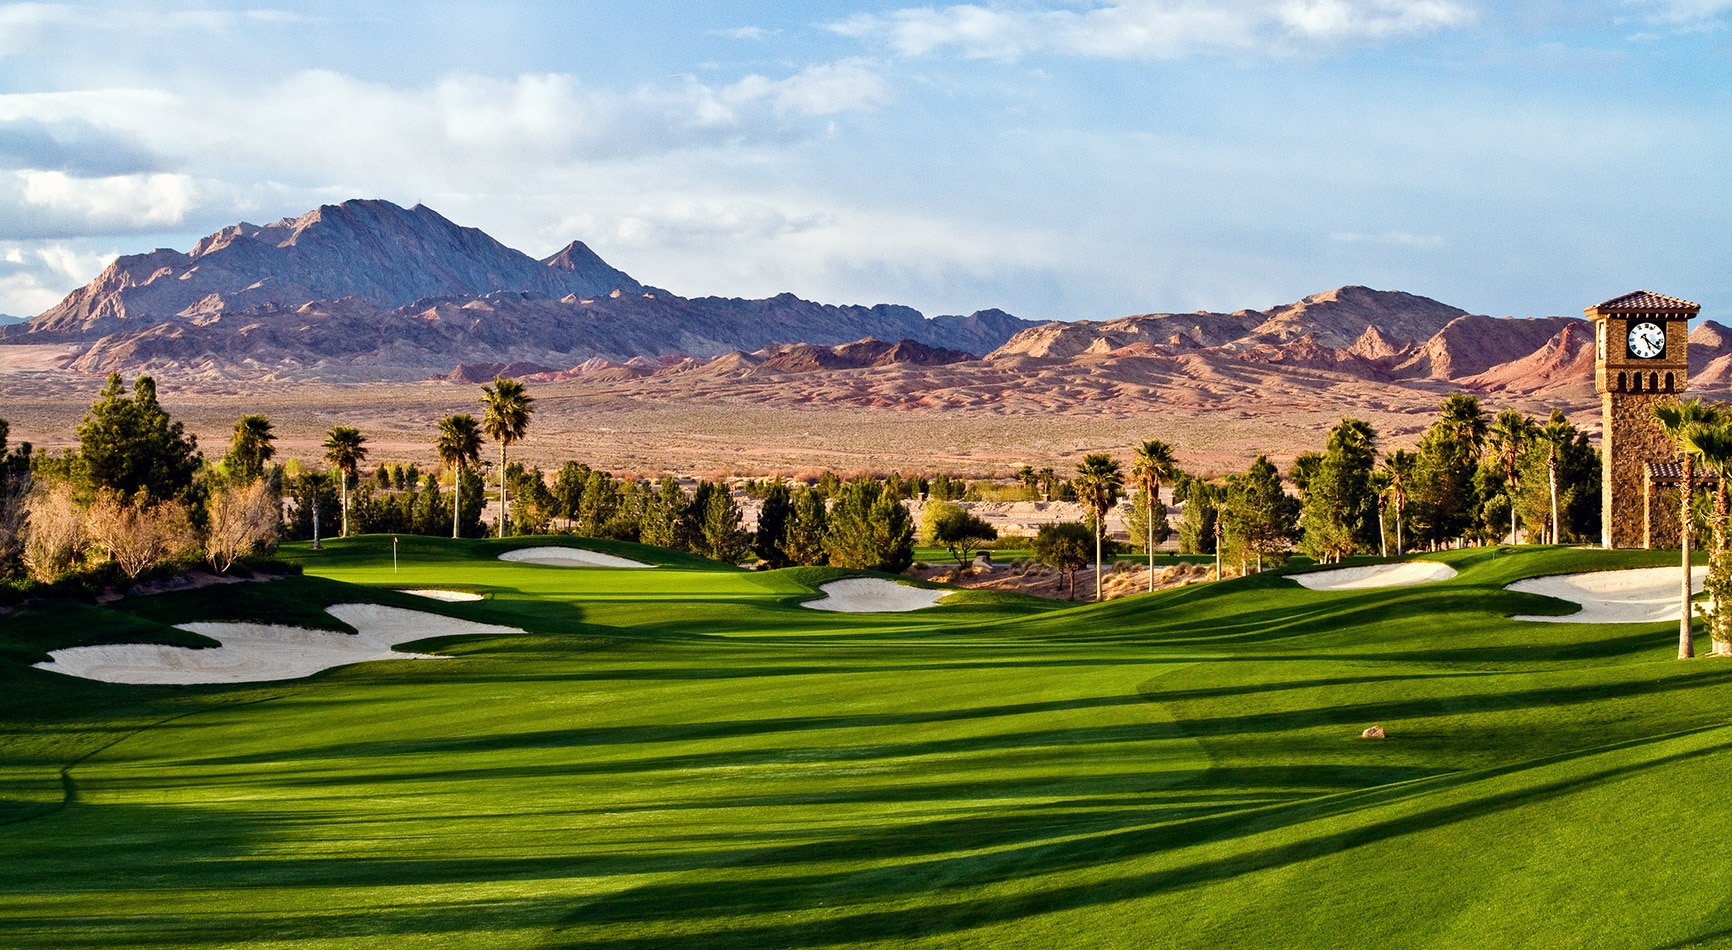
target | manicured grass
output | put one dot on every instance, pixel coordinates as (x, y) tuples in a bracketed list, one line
[(685, 757)]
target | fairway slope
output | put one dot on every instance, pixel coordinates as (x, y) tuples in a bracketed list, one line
[(253, 652), (682, 757)]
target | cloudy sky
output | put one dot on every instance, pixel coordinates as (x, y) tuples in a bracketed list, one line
[(1081, 159)]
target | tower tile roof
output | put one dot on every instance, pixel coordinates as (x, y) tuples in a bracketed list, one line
[(1672, 473), (1643, 301)]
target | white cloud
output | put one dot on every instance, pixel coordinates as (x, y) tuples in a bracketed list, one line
[(754, 33), (40, 204), (1684, 13), (1390, 238), (34, 275), (28, 27), (1148, 29)]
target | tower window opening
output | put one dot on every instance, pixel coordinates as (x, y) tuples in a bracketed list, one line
[(1623, 382), (1636, 383), (1669, 382), (1653, 382)]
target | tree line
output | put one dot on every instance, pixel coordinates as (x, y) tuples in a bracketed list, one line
[(137, 493)]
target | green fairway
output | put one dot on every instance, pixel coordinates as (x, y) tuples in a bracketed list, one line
[(684, 756)]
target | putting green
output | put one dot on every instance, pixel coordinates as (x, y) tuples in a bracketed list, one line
[(685, 756)]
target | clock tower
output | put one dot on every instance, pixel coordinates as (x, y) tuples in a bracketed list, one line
[(1641, 358)]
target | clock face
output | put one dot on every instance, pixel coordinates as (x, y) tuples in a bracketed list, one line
[(1647, 340)]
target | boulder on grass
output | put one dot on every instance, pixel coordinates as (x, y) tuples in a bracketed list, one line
[(1375, 732)]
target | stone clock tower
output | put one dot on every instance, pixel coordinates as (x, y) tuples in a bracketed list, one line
[(1641, 357)]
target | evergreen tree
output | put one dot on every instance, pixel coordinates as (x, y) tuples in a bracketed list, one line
[(1444, 499), (1197, 522), (1258, 518), (802, 539), (722, 538), (568, 491), (772, 530), (128, 445), (866, 528), (661, 515), (1339, 508)]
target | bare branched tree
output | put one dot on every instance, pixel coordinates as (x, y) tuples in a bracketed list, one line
[(243, 520), (142, 537), (54, 539)]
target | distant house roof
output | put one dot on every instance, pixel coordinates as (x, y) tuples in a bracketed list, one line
[(1671, 473), (1643, 301)]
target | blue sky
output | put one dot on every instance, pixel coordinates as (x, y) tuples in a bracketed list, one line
[(1059, 160)]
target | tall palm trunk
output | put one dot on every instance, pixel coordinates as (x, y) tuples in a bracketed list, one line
[(1552, 475), (1149, 533), (1400, 507), (1686, 645), (1719, 625), (1099, 518), (502, 508), (344, 476), (456, 498)]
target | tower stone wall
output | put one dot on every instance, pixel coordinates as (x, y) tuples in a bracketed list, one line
[(1630, 386), (1632, 438)]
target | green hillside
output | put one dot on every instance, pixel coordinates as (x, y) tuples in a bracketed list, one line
[(686, 757)]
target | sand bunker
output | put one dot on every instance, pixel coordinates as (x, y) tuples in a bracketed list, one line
[(873, 595), (568, 557), (253, 652), (1643, 595), (1377, 575), (449, 596)]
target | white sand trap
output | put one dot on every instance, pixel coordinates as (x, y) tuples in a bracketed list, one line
[(873, 595), (1404, 574), (254, 652), (569, 557), (1643, 595), (449, 596)]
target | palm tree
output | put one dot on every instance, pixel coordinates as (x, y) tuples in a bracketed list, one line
[(505, 416), (345, 447), (1152, 465), (250, 448), (1713, 444), (459, 446), (1680, 419), (1556, 435), (1461, 415), (1098, 483), (1398, 469), (1510, 436)]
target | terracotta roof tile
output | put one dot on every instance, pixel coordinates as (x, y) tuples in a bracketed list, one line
[(1642, 301), (1671, 473)]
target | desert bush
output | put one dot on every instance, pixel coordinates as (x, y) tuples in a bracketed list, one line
[(140, 537), (242, 519), (54, 537)]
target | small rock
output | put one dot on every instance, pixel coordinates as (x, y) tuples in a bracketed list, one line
[(1375, 732)]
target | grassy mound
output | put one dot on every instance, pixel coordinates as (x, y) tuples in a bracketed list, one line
[(686, 757)]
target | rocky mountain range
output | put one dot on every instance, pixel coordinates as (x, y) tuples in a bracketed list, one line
[(370, 290)]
